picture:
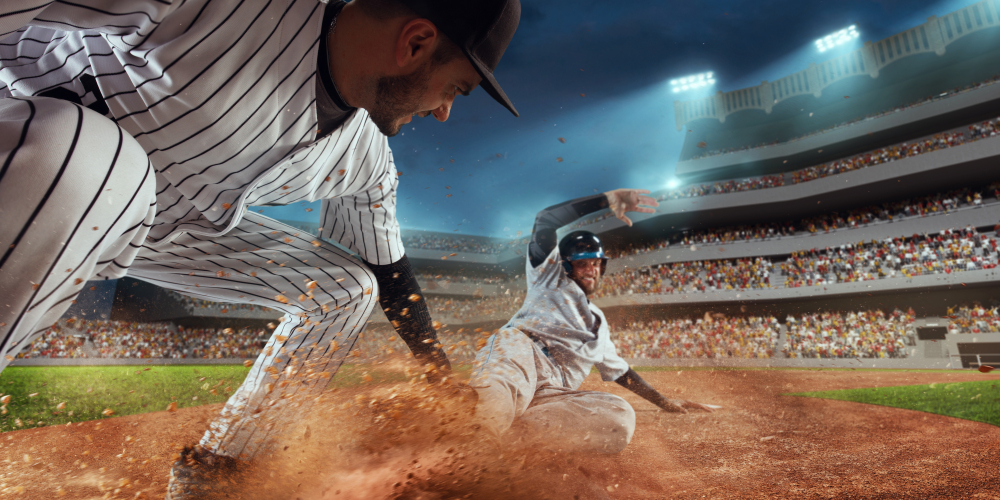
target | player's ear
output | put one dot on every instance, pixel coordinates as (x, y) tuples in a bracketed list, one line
[(416, 43)]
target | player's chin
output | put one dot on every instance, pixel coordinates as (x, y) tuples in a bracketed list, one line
[(389, 128), (589, 287)]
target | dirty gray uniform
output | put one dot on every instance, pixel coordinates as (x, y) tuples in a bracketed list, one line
[(528, 374)]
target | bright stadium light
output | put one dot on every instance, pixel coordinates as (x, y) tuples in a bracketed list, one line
[(692, 82), (836, 39), (673, 183)]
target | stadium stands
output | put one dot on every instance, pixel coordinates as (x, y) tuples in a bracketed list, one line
[(951, 250), (500, 307), (55, 342), (457, 243), (195, 305), (975, 319), (923, 206), (856, 334), (861, 334), (709, 337), (122, 339)]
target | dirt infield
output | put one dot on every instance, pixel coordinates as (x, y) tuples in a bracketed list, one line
[(761, 445)]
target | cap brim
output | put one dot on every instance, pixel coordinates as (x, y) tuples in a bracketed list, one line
[(490, 84)]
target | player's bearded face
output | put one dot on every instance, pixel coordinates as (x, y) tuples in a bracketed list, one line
[(398, 97), (587, 274)]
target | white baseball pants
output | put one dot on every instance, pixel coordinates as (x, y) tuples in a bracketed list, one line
[(77, 198), (524, 403)]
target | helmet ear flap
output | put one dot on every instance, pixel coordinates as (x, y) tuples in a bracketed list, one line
[(568, 266), (604, 266)]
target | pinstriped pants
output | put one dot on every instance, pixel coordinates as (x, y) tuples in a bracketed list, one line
[(77, 198)]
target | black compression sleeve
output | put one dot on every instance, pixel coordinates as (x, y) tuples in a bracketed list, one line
[(633, 382), (396, 284), (543, 235)]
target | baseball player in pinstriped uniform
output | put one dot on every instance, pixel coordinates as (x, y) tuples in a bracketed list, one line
[(134, 134), (528, 374)]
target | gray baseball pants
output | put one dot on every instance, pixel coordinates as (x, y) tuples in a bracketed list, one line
[(524, 403)]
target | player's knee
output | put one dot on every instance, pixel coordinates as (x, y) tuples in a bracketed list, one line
[(621, 425), (369, 286), (70, 145)]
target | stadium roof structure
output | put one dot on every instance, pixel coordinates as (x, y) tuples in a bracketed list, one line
[(939, 56)]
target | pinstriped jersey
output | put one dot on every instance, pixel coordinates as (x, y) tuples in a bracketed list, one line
[(222, 97)]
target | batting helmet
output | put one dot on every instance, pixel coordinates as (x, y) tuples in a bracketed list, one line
[(580, 245)]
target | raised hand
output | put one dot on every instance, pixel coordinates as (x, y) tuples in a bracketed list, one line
[(621, 201)]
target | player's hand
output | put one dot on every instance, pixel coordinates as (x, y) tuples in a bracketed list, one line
[(691, 405), (621, 201), (682, 406), (673, 405)]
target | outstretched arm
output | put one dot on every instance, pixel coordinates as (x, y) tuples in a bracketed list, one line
[(633, 382), (543, 235), (620, 201)]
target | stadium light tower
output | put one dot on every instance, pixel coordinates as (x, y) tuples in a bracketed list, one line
[(837, 39), (692, 82)]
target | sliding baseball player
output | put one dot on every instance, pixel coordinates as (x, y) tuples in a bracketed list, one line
[(529, 373)]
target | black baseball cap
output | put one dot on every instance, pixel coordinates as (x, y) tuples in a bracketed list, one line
[(481, 28)]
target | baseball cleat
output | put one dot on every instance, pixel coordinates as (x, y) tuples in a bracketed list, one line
[(199, 473)]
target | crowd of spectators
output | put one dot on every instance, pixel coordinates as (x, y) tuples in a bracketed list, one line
[(460, 243), (923, 206), (195, 305), (380, 344), (724, 187), (928, 99), (975, 319), (57, 341), (862, 334), (853, 334), (879, 156), (691, 276), (709, 337), (213, 343), (490, 307), (951, 250), (444, 280), (125, 339)]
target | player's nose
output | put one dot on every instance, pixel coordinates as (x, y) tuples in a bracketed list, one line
[(442, 112)]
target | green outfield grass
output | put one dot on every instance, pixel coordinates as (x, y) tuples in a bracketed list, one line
[(978, 401), (36, 392)]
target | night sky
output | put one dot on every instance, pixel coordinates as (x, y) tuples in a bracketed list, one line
[(621, 133)]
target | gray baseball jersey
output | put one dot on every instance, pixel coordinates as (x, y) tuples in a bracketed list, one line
[(571, 330)]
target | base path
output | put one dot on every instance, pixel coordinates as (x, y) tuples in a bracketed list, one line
[(357, 445)]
